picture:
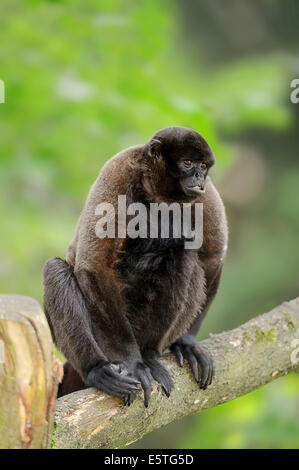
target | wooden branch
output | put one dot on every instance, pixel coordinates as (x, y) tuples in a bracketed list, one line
[(28, 374), (245, 358)]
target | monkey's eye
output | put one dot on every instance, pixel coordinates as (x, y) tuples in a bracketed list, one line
[(203, 166), (188, 163)]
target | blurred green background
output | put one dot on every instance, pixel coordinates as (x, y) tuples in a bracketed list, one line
[(86, 79)]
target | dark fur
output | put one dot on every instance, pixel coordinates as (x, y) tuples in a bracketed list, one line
[(115, 305)]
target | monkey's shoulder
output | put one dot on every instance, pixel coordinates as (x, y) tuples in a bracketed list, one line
[(212, 202), (113, 179), (215, 228)]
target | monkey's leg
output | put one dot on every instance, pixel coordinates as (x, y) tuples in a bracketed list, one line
[(71, 328), (159, 373), (111, 328)]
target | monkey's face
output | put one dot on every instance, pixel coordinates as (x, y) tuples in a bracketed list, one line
[(184, 158), (193, 173)]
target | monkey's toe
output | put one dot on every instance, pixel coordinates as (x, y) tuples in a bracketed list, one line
[(161, 375), (205, 366), (144, 375), (199, 360), (176, 349)]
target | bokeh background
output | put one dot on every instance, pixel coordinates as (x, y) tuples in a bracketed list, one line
[(86, 79)]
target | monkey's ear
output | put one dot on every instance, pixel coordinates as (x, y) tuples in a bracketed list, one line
[(154, 147)]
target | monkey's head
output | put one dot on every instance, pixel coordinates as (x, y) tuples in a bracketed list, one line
[(179, 160)]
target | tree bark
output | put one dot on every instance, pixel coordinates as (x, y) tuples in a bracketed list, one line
[(29, 375), (245, 358)]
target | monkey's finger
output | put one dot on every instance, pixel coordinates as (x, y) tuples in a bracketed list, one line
[(115, 389), (116, 383), (128, 400), (148, 373), (146, 384), (121, 378), (124, 387), (166, 384), (212, 372), (205, 373), (102, 379), (132, 397), (111, 389), (161, 375), (193, 362), (147, 388), (178, 354)]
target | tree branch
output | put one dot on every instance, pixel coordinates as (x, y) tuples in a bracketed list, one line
[(245, 358)]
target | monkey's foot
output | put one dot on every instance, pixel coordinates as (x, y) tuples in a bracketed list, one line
[(160, 374), (200, 361), (113, 379)]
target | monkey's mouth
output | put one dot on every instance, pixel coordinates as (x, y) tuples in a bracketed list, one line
[(196, 189)]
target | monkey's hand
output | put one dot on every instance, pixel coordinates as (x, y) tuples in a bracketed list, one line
[(200, 362), (122, 379), (113, 378), (139, 369), (159, 373)]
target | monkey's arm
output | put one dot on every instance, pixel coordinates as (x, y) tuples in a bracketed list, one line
[(211, 256), (212, 289), (187, 346), (213, 251)]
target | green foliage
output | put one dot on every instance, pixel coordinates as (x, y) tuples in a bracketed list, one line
[(266, 418), (82, 82)]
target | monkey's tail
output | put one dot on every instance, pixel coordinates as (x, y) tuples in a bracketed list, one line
[(60, 286), (71, 381)]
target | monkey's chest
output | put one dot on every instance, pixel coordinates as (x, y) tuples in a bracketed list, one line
[(162, 289)]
